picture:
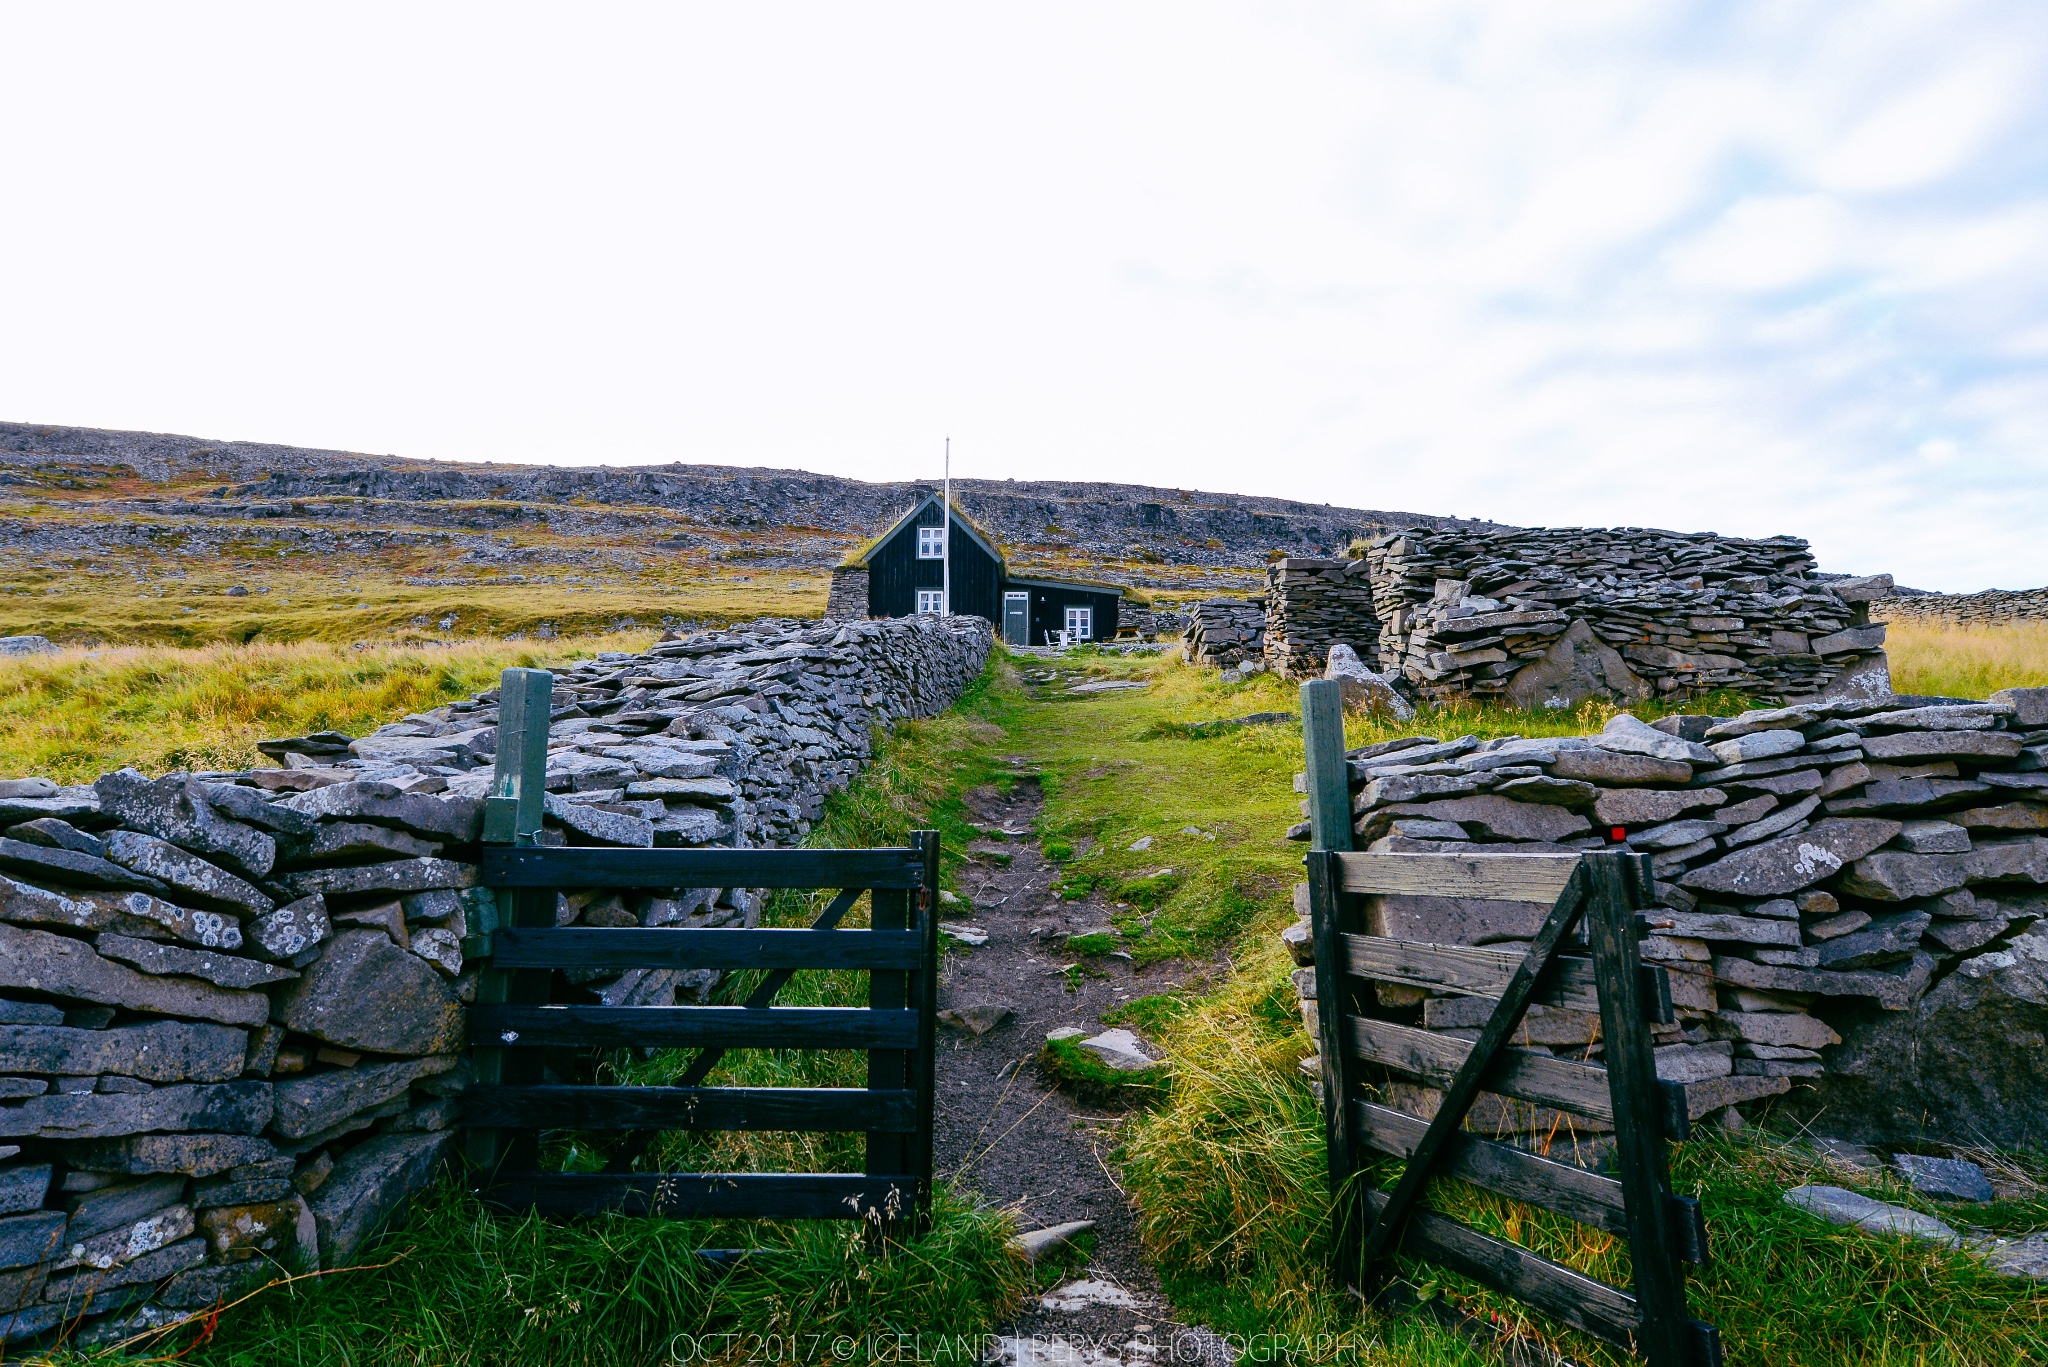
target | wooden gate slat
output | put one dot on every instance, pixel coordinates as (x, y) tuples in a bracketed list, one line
[(717, 947), (580, 866), (634, 1145), (1589, 1197), (707, 1195), (1585, 1303), (1480, 972), (1539, 878), (1435, 1058), (843, 1110), (731, 1027)]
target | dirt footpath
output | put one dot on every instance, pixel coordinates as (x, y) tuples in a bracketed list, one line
[(1015, 1140)]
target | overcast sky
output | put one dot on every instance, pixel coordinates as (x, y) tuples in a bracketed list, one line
[(1750, 268)]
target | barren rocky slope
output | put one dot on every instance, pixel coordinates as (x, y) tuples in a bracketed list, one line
[(1136, 534)]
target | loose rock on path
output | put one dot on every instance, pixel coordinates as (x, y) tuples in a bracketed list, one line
[(1004, 1132)]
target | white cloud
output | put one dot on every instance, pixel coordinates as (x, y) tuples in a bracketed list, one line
[(1756, 267)]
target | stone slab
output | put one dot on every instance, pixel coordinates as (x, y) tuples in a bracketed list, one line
[(161, 960), (368, 1185), (364, 992), (225, 1107), (40, 961), (194, 1155), (159, 1051)]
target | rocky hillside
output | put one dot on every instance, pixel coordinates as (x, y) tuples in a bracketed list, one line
[(217, 492)]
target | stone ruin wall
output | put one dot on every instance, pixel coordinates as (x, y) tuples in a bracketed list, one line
[(1850, 902), (1547, 617), (1224, 632), (848, 599), (231, 1004), (1993, 607)]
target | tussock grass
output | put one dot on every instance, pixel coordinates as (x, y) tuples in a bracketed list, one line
[(79, 713), (1954, 661)]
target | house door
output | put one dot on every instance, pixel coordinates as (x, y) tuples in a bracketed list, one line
[(1016, 619), (1081, 623)]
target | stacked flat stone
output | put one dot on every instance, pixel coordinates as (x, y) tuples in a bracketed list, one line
[(848, 599), (1313, 604), (1225, 632), (1990, 607), (1164, 622), (1817, 866), (1462, 613), (231, 1004)]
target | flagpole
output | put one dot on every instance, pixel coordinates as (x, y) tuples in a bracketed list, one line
[(946, 540)]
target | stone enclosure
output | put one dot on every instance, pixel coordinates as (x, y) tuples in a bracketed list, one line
[(1850, 900), (1547, 617), (232, 1004)]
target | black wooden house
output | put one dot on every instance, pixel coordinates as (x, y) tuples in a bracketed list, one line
[(901, 572)]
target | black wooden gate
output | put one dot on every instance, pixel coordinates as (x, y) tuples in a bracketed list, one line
[(515, 1019), (1598, 893)]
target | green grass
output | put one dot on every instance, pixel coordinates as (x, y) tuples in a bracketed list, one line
[(77, 714)]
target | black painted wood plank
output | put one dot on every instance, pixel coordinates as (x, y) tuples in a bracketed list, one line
[(589, 867), (924, 995), (630, 1149), (672, 947), (733, 1027), (814, 1109), (1327, 914), (704, 1195)]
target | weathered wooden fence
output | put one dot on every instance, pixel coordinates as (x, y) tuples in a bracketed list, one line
[(515, 1017), (1585, 958)]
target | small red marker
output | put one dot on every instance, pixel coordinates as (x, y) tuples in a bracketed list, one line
[(1617, 834)]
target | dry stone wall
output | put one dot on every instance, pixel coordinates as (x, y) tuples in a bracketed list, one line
[(1225, 632), (231, 1004), (1850, 899), (1313, 604), (1990, 608), (1551, 616)]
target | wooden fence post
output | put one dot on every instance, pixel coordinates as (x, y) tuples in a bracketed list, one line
[(512, 816), (926, 999), (1329, 815), (1329, 773), (1666, 1332)]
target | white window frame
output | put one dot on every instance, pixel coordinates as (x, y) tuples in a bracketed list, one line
[(931, 602), (1081, 623), (931, 543)]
